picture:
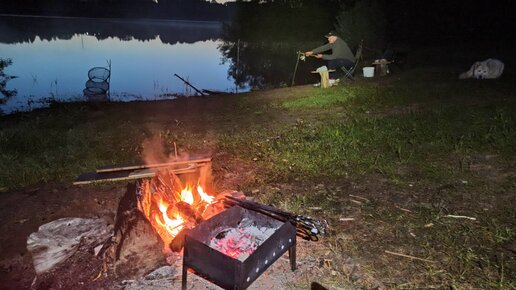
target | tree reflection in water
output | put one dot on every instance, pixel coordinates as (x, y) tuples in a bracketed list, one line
[(262, 41)]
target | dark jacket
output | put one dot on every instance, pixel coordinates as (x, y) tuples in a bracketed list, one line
[(339, 49)]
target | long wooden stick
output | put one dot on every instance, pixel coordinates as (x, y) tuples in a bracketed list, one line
[(93, 177), (145, 166)]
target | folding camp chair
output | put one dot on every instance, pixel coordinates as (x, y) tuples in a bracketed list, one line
[(349, 72)]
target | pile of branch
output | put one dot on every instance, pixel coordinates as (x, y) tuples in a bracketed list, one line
[(307, 228)]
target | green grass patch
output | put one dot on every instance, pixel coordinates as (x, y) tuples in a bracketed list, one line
[(326, 98), (432, 142), (404, 129)]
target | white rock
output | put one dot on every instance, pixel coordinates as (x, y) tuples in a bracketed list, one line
[(160, 273), (58, 240)]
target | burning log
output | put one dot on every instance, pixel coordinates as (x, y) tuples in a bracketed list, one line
[(306, 227), (178, 242), (187, 212), (135, 242), (171, 207)]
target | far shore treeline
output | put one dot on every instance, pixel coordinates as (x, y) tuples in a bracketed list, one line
[(382, 21), (162, 9)]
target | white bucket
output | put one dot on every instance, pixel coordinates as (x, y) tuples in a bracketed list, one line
[(368, 71)]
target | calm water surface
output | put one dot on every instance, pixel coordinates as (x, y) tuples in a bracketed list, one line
[(51, 58)]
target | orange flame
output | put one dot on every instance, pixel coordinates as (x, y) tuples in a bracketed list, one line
[(172, 226), (164, 210)]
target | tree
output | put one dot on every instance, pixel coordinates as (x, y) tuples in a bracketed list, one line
[(5, 93), (365, 20)]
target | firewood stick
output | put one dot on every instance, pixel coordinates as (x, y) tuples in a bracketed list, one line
[(408, 256), (178, 242), (145, 166)]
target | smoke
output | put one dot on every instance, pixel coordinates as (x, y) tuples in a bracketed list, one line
[(156, 151)]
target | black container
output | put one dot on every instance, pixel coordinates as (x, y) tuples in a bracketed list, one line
[(227, 272)]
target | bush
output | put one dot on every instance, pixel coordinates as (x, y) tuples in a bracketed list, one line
[(365, 20)]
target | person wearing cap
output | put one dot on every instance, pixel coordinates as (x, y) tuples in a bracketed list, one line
[(341, 55)]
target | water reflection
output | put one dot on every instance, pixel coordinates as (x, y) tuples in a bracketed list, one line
[(261, 64), (28, 29), (144, 56), (51, 57)]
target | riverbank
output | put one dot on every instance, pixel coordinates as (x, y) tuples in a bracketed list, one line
[(389, 162)]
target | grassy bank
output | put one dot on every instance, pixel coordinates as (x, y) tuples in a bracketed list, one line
[(413, 147)]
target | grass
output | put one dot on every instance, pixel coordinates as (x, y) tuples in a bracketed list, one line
[(425, 143)]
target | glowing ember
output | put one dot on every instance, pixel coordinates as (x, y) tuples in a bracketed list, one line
[(242, 241), (171, 207)]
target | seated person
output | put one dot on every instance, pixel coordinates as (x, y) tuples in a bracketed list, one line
[(341, 55)]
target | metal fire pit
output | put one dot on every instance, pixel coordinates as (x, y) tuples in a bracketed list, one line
[(225, 271)]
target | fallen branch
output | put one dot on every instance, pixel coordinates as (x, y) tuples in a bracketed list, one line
[(460, 217), (346, 219), (408, 256)]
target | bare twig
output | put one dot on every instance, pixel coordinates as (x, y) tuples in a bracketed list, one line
[(408, 256), (346, 219), (315, 208), (99, 275), (359, 197), (356, 201), (460, 217), (403, 209)]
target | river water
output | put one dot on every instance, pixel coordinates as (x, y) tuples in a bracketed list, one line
[(51, 58)]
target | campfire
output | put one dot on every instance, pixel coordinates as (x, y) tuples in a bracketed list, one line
[(171, 206), (224, 237), (170, 214)]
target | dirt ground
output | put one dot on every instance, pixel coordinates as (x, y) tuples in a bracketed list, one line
[(23, 212), (352, 257)]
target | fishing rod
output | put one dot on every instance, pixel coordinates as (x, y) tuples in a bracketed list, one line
[(300, 56), (190, 85)]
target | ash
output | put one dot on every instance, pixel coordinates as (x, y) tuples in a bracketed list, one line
[(242, 241)]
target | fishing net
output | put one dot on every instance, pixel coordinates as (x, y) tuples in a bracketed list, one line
[(97, 86), (98, 74)]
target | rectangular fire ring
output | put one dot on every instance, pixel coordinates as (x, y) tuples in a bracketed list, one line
[(236, 273)]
